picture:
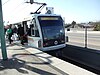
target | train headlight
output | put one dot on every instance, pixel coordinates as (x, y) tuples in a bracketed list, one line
[(62, 41)]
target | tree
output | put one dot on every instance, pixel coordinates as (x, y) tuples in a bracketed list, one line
[(73, 24), (97, 27)]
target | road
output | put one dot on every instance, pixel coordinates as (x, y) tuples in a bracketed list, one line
[(77, 38)]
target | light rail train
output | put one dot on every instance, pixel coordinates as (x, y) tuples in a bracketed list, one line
[(46, 31)]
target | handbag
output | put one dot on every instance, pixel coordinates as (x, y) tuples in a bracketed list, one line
[(12, 38)]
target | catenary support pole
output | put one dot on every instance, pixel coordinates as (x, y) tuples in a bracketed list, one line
[(85, 37), (2, 36)]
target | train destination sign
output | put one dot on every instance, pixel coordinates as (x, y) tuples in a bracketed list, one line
[(49, 18)]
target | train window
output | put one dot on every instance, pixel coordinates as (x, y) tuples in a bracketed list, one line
[(36, 33)]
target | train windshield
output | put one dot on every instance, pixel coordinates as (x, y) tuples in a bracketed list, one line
[(52, 29)]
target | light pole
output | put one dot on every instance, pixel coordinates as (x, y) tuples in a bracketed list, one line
[(2, 36), (85, 36)]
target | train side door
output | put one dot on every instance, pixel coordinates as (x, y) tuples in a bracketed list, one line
[(34, 36)]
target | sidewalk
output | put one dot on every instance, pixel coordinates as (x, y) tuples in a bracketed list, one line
[(22, 62)]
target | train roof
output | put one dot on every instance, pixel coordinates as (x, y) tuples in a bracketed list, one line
[(35, 15)]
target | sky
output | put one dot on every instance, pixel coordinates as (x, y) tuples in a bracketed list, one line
[(71, 10)]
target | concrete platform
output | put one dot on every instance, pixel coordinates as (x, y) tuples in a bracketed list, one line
[(24, 60)]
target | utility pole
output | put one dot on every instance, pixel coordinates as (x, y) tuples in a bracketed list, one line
[(2, 36), (85, 36)]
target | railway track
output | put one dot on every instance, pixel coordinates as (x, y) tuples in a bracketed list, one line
[(59, 53)]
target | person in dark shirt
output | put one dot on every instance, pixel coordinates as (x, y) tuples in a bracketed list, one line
[(20, 33)]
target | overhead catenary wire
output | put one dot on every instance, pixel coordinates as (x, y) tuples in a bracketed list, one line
[(20, 9), (18, 5), (14, 11), (6, 2)]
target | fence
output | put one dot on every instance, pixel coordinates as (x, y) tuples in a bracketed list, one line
[(84, 38)]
